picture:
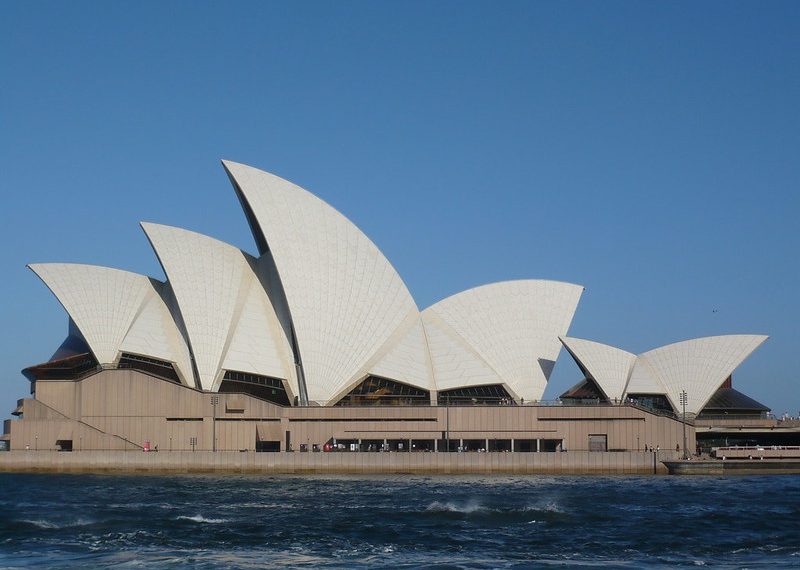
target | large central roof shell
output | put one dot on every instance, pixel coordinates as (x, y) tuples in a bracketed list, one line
[(344, 297)]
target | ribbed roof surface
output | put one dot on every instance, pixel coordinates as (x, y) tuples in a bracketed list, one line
[(345, 298), (609, 367), (321, 295), (698, 366), (117, 310), (512, 327), (229, 319)]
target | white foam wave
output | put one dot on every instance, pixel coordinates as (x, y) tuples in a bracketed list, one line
[(476, 507), (449, 507), (201, 519), (41, 523), (545, 508)]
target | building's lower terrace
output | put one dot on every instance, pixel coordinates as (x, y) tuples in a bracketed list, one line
[(126, 409)]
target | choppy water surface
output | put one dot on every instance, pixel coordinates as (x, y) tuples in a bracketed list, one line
[(88, 521)]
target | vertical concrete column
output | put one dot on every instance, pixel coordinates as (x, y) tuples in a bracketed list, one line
[(385, 445), (487, 444), (436, 446), (461, 444), (359, 444), (538, 445), (284, 431), (512, 445), (409, 444)]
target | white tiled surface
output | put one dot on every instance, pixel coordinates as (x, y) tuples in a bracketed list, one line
[(642, 380), (699, 366), (257, 343), (511, 325), (407, 359), (154, 333), (345, 298), (610, 367), (455, 362), (102, 302), (224, 309)]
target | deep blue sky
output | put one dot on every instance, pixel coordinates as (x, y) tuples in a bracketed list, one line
[(650, 152)]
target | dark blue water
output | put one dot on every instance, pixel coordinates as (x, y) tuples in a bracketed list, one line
[(87, 521)]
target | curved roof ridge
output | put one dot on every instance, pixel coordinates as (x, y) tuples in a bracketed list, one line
[(504, 282), (699, 338)]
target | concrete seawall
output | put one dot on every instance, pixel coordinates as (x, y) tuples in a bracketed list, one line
[(735, 467), (570, 463)]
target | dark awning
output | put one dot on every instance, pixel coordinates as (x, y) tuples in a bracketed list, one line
[(729, 399), (586, 389)]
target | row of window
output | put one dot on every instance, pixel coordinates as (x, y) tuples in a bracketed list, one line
[(262, 387), (379, 391), (153, 366)]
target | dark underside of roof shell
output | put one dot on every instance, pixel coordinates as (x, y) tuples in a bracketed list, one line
[(731, 400), (67, 368), (586, 389)]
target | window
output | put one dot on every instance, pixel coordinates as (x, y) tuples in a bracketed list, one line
[(491, 394), (379, 391)]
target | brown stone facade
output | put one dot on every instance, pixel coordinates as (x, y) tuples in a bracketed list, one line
[(118, 410)]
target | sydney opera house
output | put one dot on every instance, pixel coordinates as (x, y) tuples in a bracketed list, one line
[(316, 344)]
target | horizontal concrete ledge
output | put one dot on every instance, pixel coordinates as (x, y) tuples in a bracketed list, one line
[(569, 463), (735, 467)]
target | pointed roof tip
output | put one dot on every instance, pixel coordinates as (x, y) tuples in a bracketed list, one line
[(36, 268), (146, 226), (231, 165)]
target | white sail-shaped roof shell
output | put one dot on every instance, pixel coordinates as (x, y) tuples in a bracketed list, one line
[(229, 319), (608, 366), (118, 311), (455, 363), (699, 366), (155, 333), (642, 380), (344, 297), (512, 326), (403, 358)]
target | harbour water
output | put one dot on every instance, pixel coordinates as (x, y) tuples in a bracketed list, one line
[(96, 521)]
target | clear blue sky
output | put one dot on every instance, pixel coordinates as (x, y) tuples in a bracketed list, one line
[(650, 152)]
